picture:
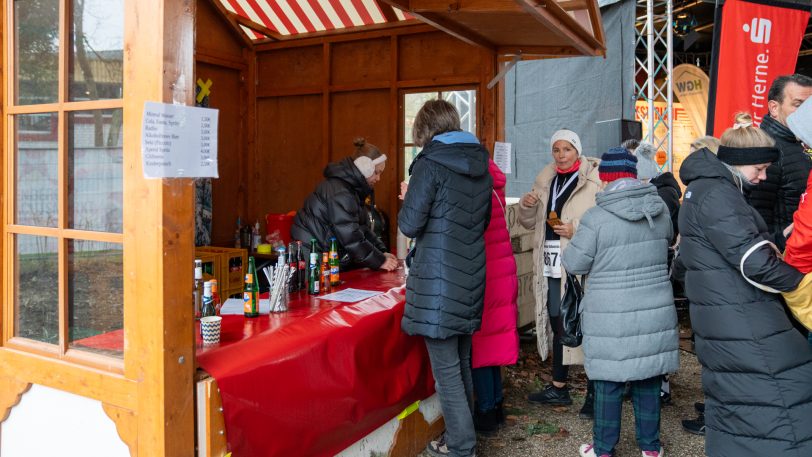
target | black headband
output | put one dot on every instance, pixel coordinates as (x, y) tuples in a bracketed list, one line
[(748, 156)]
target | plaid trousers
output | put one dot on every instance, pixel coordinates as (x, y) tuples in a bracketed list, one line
[(608, 406)]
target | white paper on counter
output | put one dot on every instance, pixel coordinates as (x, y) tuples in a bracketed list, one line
[(349, 295), (502, 156), (234, 306), (179, 141)]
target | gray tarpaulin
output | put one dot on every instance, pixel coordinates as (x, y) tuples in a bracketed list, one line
[(543, 96)]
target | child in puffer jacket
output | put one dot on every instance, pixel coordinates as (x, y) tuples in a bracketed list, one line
[(799, 245)]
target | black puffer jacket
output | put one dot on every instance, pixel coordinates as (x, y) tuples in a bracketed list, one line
[(334, 209), (446, 210), (777, 198), (668, 189), (757, 374)]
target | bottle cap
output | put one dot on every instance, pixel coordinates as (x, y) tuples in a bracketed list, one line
[(207, 288)]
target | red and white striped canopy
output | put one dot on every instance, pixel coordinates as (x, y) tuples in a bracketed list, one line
[(292, 17)]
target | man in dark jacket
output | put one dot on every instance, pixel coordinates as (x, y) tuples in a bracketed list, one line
[(756, 367), (446, 208), (777, 198), (335, 209)]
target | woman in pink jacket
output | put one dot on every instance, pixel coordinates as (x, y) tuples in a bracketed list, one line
[(496, 344)]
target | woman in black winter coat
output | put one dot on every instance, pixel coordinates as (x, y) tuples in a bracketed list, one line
[(336, 209), (757, 370), (446, 207)]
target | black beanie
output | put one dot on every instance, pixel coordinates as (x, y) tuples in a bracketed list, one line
[(747, 156)]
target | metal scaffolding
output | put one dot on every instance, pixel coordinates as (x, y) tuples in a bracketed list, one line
[(654, 34)]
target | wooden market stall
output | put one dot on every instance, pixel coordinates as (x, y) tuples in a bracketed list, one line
[(93, 250)]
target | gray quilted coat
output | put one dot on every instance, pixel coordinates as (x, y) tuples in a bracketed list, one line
[(629, 320)]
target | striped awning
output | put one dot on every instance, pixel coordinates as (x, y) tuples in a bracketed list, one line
[(285, 18)]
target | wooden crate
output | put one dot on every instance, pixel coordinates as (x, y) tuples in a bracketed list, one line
[(211, 265), (233, 265)]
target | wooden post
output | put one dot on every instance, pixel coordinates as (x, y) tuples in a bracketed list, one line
[(158, 234)]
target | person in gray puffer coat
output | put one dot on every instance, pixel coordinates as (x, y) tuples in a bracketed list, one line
[(629, 321), (446, 209)]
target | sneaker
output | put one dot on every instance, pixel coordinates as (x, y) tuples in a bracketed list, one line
[(438, 448), (586, 450), (659, 453), (699, 407), (588, 410), (695, 426), (486, 423), (552, 395)]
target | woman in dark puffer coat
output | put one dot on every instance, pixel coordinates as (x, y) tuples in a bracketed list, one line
[(335, 209), (446, 208), (757, 370)]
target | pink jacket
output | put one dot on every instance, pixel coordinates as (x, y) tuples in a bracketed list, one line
[(497, 341)]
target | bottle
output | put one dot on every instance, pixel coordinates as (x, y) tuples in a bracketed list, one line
[(198, 287), (313, 275), (208, 301), (250, 295), (302, 267), (334, 263), (255, 238), (237, 234), (325, 272), (293, 285), (215, 296)]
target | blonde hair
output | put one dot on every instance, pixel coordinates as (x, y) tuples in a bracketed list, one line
[(744, 134), (709, 142)]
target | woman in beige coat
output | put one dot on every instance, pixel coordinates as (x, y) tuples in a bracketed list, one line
[(563, 191)]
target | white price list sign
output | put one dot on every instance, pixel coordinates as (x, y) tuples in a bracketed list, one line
[(179, 141), (502, 156)]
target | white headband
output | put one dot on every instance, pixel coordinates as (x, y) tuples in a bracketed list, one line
[(741, 125), (380, 159)]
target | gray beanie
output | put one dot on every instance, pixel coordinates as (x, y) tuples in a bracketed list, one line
[(646, 165)]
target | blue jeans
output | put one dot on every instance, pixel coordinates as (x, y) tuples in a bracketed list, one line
[(451, 366), (488, 387)]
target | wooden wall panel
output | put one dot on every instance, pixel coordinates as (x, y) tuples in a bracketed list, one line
[(366, 114), (290, 68), (214, 35), (360, 61), (289, 160), (436, 55), (228, 192)]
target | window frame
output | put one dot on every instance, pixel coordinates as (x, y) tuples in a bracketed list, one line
[(61, 233)]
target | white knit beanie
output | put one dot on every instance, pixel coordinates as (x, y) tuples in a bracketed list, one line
[(800, 122), (567, 135)]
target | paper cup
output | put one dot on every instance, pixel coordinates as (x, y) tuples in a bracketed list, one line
[(210, 329)]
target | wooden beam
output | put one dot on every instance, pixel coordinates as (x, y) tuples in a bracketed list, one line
[(553, 7), (235, 26), (559, 26), (573, 5), (597, 23), (350, 34), (452, 28), (468, 6), (547, 51), (388, 11), (257, 27)]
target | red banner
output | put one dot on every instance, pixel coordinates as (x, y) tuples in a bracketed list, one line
[(756, 43)]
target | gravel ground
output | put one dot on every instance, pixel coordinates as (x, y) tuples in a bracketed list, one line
[(534, 430)]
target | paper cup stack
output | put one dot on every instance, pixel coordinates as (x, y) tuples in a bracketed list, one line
[(210, 329)]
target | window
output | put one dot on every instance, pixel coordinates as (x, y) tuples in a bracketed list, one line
[(64, 222), (463, 100)]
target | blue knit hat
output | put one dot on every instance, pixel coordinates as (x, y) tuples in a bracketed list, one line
[(617, 163)]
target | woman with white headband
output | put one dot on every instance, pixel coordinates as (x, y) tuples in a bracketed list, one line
[(335, 209)]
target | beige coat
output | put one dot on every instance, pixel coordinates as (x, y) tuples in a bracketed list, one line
[(535, 218)]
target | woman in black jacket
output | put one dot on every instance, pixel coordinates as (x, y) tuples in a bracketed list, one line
[(446, 209), (756, 367), (335, 209)]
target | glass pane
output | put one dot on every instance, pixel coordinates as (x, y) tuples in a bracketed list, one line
[(35, 159), (96, 54), (96, 297), (412, 104), (36, 292), (36, 52), (465, 102), (409, 153), (95, 170)]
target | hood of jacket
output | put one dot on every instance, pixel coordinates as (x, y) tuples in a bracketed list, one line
[(346, 171), (631, 200), (777, 130), (458, 151), (499, 178), (704, 164), (667, 179)]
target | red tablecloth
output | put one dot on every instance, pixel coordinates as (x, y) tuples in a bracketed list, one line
[(313, 380)]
